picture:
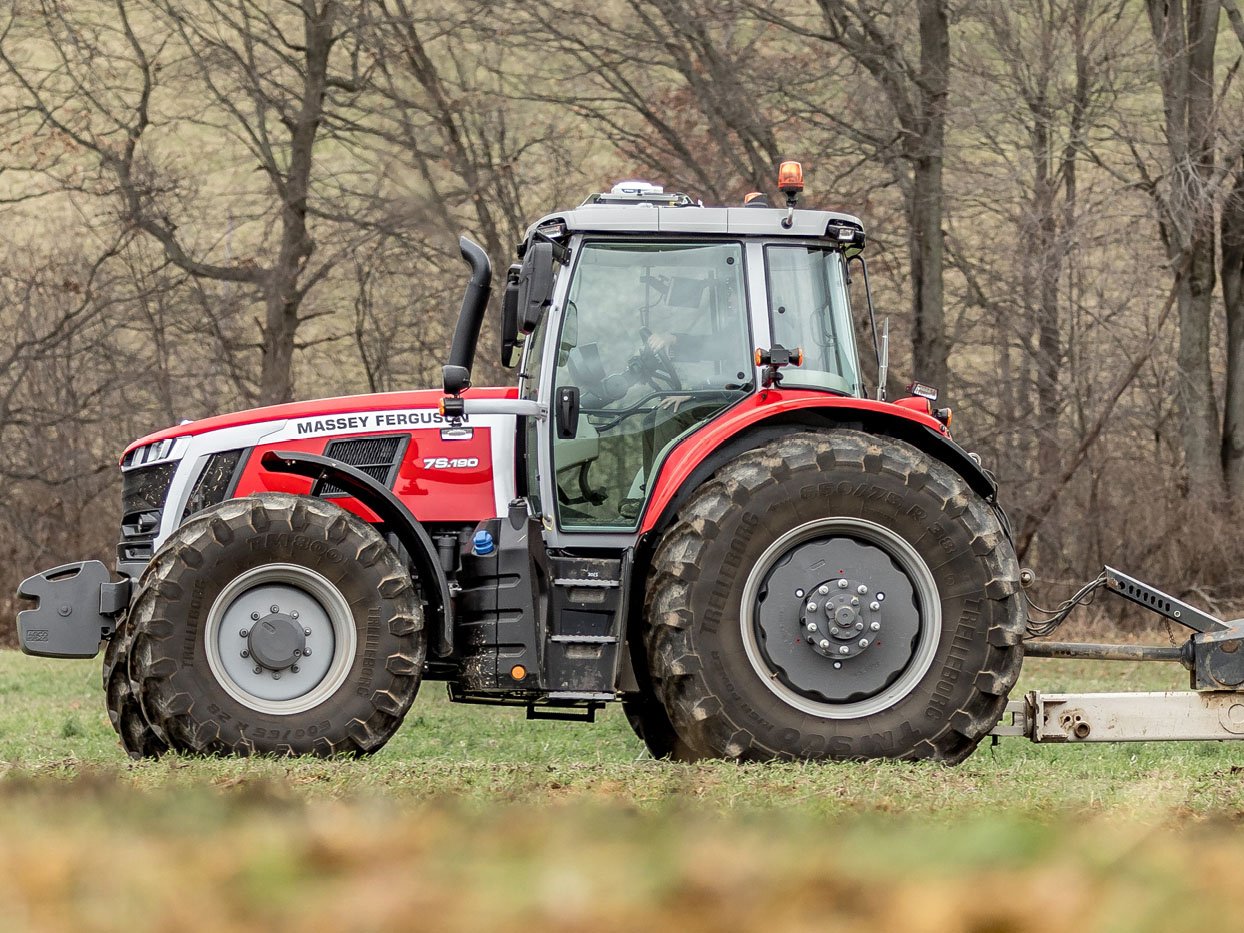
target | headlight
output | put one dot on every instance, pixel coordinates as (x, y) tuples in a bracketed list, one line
[(156, 452), (214, 483)]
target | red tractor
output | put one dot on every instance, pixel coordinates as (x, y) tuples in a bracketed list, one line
[(688, 503)]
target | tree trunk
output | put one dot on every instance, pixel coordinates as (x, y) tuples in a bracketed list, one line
[(283, 290), (1185, 46), (930, 348), (1232, 229)]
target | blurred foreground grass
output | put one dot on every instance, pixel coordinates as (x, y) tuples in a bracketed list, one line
[(474, 818)]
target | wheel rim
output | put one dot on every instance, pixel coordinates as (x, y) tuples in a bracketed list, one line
[(840, 651), (280, 639)]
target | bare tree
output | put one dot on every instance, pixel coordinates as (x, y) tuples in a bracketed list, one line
[(111, 78), (913, 75)]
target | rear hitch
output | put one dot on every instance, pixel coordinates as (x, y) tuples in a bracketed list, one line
[(77, 607)]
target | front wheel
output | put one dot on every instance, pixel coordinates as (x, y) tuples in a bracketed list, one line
[(837, 595), (276, 624)]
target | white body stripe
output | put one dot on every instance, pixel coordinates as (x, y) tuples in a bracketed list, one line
[(199, 447)]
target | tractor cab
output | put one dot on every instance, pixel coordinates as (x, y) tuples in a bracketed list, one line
[(639, 317)]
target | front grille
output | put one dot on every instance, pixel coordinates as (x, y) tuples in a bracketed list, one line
[(378, 457), (143, 492)]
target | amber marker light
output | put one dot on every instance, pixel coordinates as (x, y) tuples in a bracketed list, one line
[(440, 406), (790, 177), (518, 672)]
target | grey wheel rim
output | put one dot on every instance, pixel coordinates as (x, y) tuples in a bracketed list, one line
[(280, 639), (904, 654)]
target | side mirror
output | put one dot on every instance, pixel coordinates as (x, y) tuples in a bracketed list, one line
[(535, 284), (457, 379), (509, 318), (567, 412)]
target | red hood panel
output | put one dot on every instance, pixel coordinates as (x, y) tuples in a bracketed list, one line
[(423, 398)]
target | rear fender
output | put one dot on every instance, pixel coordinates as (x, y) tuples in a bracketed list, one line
[(747, 427), (396, 517)]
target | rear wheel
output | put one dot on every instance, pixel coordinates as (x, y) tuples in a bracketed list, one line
[(277, 624), (834, 596)]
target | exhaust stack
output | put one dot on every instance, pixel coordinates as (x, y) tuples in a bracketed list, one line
[(456, 373)]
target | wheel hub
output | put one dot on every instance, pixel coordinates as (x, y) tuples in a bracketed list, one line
[(842, 619), (276, 642)]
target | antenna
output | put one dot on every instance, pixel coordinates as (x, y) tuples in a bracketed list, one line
[(883, 360)]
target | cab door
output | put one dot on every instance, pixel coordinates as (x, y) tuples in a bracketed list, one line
[(653, 342)]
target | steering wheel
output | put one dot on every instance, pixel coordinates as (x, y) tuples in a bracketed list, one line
[(655, 364)]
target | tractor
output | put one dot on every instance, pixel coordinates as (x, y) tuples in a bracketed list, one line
[(689, 503)]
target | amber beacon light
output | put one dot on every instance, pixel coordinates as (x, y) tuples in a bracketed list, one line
[(790, 178), (790, 183)]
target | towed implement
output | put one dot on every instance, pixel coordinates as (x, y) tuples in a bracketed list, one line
[(688, 504)]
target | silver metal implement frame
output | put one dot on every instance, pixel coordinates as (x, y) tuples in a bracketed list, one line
[(1125, 717)]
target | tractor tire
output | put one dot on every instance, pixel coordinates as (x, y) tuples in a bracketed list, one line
[(276, 624), (767, 625), (124, 710), (652, 724)]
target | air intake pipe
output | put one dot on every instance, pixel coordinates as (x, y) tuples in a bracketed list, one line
[(457, 372)]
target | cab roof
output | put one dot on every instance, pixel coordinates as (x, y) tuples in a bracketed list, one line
[(646, 217)]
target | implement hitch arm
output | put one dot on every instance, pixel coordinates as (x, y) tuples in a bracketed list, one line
[(1212, 710)]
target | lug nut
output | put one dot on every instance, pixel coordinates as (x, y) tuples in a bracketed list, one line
[(276, 675), (842, 584), (294, 614), (306, 652), (863, 642), (824, 642), (844, 650), (824, 589), (258, 669), (876, 626), (874, 606), (294, 669), (243, 633), (811, 607), (275, 608), (297, 652), (307, 632), (245, 653), (254, 616), (861, 589), (811, 626)]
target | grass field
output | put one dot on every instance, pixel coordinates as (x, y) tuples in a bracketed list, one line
[(474, 818)]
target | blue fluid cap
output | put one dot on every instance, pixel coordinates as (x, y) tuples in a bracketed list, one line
[(483, 544)]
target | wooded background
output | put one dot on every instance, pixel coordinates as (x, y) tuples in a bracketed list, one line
[(214, 204)]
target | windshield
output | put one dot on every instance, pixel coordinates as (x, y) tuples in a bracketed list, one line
[(809, 308), (655, 337)]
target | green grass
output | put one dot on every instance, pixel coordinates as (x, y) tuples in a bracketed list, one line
[(53, 727), (478, 818)]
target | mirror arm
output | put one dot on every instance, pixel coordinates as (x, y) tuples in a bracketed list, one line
[(872, 320)]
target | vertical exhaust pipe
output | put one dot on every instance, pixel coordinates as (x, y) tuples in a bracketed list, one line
[(456, 373)]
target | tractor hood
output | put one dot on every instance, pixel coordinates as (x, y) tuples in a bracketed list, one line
[(382, 401)]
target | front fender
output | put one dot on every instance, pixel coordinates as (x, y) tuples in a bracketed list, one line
[(396, 517), (773, 413)]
